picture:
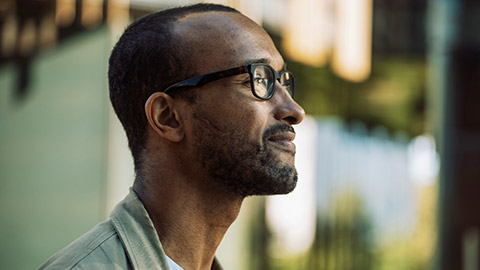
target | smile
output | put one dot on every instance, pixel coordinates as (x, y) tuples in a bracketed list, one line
[(284, 140)]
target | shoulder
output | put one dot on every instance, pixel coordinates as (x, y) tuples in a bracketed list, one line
[(100, 248)]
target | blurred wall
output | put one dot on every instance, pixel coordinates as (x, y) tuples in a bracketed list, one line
[(53, 150)]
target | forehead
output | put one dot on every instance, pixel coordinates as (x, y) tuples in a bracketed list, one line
[(220, 40)]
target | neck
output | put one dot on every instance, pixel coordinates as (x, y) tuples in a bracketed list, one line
[(190, 217)]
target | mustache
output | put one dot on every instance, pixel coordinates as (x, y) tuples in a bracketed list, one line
[(278, 128)]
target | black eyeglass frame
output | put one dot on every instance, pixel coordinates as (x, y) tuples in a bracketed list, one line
[(213, 76)]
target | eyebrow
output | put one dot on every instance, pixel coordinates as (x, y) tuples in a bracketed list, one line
[(257, 60), (263, 61)]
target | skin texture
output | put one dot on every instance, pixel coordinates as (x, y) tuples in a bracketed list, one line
[(203, 159)]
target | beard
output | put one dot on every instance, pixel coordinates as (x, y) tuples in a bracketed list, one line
[(240, 166)]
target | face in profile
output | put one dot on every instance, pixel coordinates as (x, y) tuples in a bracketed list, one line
[(246, 167), (243, 142)]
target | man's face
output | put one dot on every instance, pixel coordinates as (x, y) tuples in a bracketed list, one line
[(242, 142)]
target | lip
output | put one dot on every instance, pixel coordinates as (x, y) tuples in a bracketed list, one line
[(284, 140)]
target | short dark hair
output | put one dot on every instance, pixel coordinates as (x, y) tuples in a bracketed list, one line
[(147, 59)]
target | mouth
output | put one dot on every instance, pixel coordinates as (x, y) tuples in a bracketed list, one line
[(284, 141)]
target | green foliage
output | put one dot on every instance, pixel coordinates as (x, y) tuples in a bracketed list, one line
[(344, 238), (393, 96)]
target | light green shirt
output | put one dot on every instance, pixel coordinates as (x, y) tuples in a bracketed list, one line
[(127, 241)]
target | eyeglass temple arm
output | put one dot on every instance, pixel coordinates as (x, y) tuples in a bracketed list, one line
[(203, 79), (190, 82), (221, 74)]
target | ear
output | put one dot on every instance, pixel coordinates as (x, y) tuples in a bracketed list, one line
[(163, 117)]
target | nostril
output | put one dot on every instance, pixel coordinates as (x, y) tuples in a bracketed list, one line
[(291, 120)]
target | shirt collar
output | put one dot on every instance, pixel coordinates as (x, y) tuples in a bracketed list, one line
[(138, 235)]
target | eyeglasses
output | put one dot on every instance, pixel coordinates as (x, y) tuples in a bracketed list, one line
[(262, 79)]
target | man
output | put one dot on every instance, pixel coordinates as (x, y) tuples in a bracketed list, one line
[(208, 109)]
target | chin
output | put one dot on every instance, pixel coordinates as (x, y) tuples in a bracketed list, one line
[(283, 181)]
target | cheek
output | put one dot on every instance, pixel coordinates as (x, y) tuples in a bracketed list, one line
[(240, 114), (251, 121)]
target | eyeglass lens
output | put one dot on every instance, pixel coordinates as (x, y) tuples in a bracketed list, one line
[(263, 79), (286, 80)]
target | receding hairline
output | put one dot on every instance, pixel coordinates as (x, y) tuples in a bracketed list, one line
[(199, 30), (218, 18)]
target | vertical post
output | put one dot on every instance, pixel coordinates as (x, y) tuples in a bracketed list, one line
[(454, 59)]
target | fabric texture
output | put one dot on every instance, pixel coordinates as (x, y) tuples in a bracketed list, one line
[(127, 241)]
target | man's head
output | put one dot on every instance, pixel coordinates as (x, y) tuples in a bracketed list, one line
[(239, 140)]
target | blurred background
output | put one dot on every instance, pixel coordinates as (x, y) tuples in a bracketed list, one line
[(388, 157)]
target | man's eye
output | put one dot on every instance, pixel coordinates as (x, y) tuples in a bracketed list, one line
[(259, 80)]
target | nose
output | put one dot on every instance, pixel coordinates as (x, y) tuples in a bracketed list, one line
[(286, 108)]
